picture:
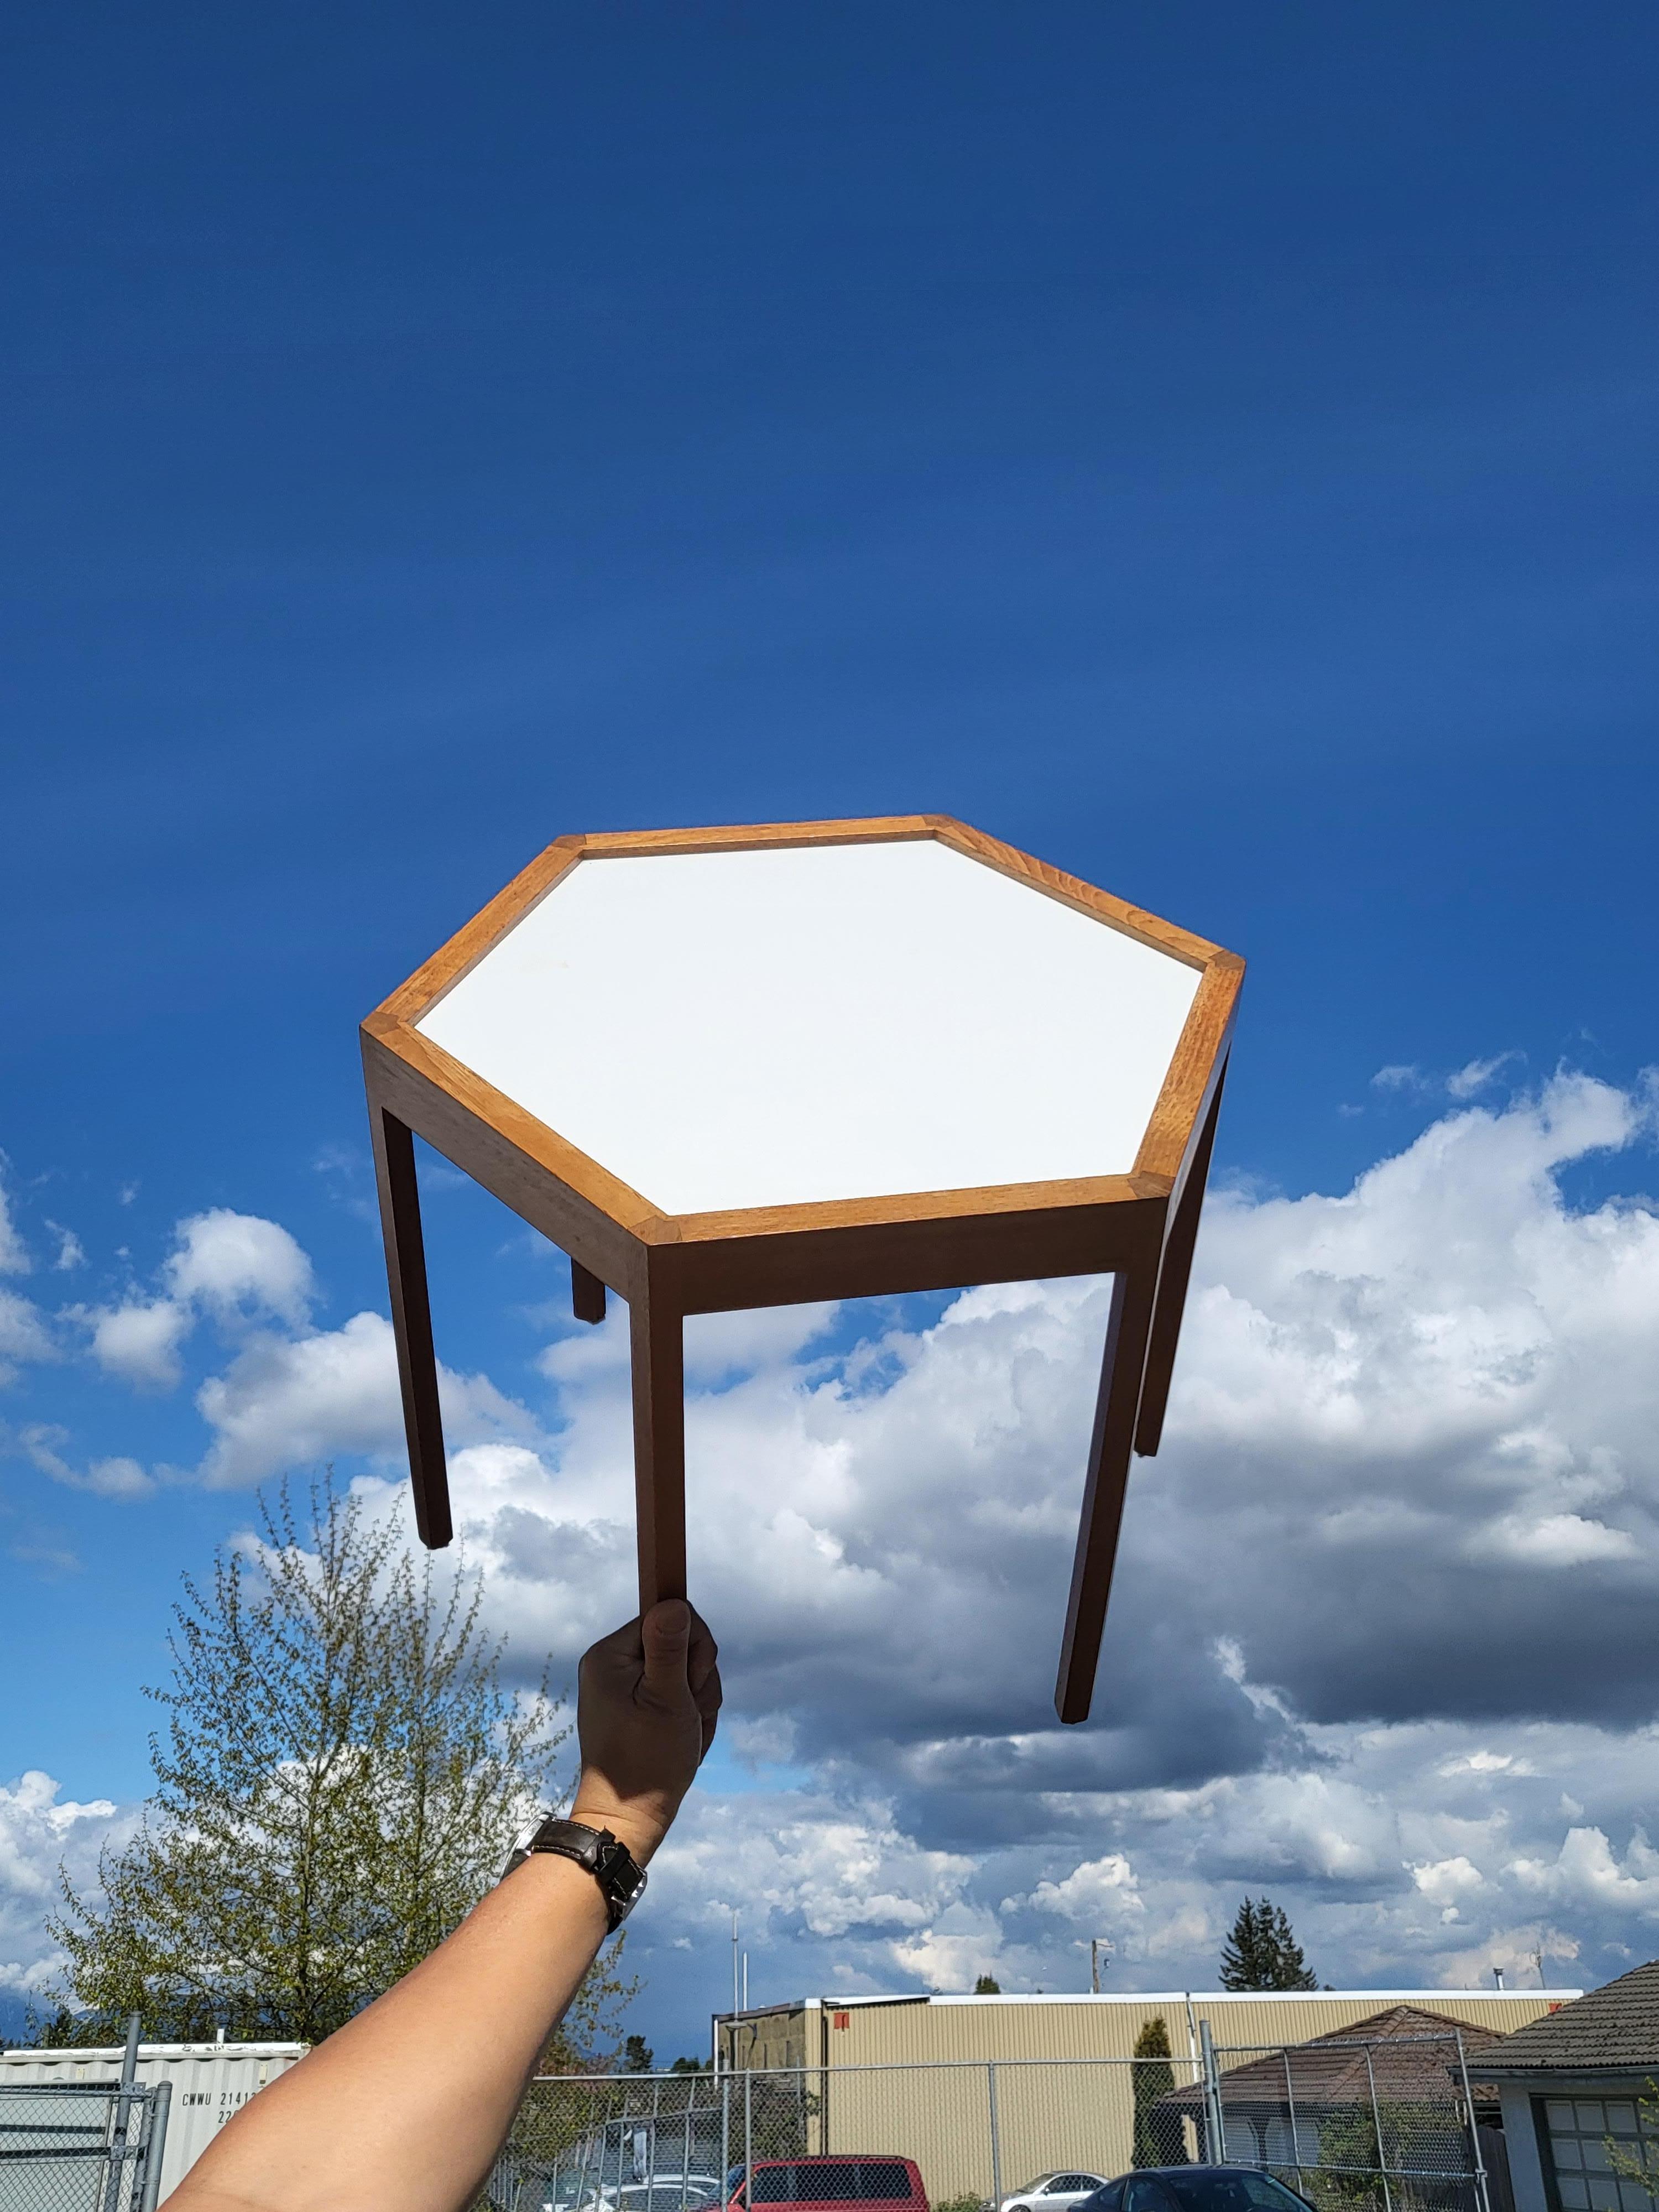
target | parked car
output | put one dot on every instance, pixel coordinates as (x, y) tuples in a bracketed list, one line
[(1195, 2189), (669, 2192), (1055, 2193), (826, 2183)]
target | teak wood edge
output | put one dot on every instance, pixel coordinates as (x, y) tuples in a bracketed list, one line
[(1198, 1052), (432, 1079)]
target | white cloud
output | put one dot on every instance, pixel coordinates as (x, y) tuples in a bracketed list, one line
[(139, 1343), (24, 1335), (1555, 1539), (1099, 1894), (232, 1263), (296, 1402), (117, 1477), (831, 1868), (1446, 1881), (1398, 1075), (38, 1832), (1586, 1871), (236, 1266), (1476, 1074), (14, 1253), (71, 1253)]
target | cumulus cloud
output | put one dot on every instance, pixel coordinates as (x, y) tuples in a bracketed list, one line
[(1386, 1623), (138, 1343), (1406, 1501), (297, 1401), (234, 1263), (238, 1267), (38, 1834)]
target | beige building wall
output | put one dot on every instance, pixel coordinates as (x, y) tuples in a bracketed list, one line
[(920, 2084)]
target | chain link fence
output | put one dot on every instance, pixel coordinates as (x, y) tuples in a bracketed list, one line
[(1352, 2126), (1391, 2125), (80, 2147)]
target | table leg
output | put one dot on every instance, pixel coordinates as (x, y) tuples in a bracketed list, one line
[(1172, 1286), (1110, 1449), (412, 1322), (586, 1294), (657, 1339)]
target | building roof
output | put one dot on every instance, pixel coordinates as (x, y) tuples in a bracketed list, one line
[(1616, 2026), (1405, 2050)]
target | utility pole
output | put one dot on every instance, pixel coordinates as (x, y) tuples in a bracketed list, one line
[(1096, 1945), (736, 2006)]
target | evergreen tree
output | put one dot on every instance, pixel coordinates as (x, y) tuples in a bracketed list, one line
[(1261, 1953), (1158, 2138), (341, 1779), (986, 1986)]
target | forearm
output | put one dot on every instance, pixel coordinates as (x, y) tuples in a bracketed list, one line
[(405, 2107)]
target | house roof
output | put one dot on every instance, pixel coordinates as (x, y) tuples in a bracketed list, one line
[(1614, 2026), (1409, 2048)]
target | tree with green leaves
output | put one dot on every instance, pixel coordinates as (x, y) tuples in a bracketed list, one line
[(988, 1986), (1261, 1953), (1157, 2137), (341, 1778)]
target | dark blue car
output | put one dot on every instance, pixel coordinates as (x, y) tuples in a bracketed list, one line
[(1194, 2189)]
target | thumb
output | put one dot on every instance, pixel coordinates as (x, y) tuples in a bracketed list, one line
[(666, 1632)]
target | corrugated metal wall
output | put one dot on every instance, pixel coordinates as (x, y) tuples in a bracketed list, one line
[(1106, 2027), (210, 2080), (921, 2085)]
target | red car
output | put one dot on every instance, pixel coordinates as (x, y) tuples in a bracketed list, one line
[(830, 2185)]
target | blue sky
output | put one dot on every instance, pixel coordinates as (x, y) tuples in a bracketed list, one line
[(1213, 448)]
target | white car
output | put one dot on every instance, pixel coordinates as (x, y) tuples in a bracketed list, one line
[(1054, 2192)]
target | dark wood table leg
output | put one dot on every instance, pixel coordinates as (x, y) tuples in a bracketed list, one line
[(411, 1323), (1171, 1300), (1109, 1449), (657, 1337), (586, 1294)]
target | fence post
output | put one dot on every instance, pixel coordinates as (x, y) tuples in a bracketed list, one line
[(1483, 2194), (121, 2147), (1377, 2122), (1290, 2104), (749, 2129), (725, 2132), (155, 2143), (1215, 2133), (996, 2136)]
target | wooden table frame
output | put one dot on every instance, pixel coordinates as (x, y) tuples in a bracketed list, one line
[(1139, 1227)]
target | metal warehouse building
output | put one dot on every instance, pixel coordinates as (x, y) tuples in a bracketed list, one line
[(977, 2088)]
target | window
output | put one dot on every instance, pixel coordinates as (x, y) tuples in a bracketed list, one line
[(1233, 2192), (1143, 2194), (834, 2181), (1576, 2129), (1104, 2200)]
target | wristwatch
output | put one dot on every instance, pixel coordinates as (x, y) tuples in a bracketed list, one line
[(621, 1881)]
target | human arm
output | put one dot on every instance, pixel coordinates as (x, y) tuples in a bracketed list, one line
[(405, 2107)]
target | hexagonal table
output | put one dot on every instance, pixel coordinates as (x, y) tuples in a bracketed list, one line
[(754, 1066)]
